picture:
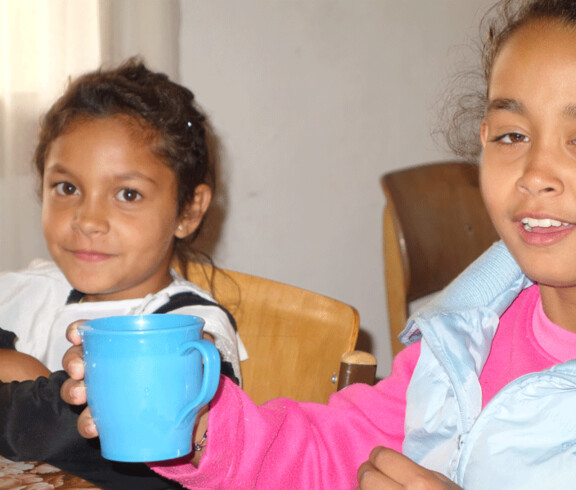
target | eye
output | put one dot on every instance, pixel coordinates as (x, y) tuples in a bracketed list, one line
[(66, 189), (128, 195), (511, 138)]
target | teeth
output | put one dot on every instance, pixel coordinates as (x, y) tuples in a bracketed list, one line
[(530, 223)]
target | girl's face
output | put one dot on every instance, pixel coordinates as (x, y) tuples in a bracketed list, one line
[(109, 210), (528, 172)]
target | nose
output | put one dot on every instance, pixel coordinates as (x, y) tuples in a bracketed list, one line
[(541, 174), (90, 217)]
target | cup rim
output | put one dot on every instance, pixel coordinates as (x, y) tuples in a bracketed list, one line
[(126, 323)]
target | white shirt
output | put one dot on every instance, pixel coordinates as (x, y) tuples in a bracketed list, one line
[(33, 306)]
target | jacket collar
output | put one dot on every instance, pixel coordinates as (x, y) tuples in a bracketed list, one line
[(492, 281)]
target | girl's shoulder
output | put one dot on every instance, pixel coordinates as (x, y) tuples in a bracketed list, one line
[(41, 277), (179, 284), (38, 269)]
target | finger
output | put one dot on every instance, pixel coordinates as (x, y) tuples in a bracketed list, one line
[(364, 467), (404, 471), (72, 333), (86, 425), (370, 478), (448, 484), (393, 463), (73, 392), (73, 363)]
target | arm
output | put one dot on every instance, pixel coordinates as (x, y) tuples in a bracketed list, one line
[(389, 469), (283, 443), (35, 424), (16, 366)]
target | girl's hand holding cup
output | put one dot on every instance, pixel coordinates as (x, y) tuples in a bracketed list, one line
[(147, 378), (73, 390)]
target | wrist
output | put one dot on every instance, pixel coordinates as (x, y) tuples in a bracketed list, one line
[(200, 435), (201, 444)]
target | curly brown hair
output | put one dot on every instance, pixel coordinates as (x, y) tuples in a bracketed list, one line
[(179, 131)]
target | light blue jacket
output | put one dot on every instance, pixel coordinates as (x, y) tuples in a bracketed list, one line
[(526, 435)]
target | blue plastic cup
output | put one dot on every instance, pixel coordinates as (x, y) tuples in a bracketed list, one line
[(146, 378)]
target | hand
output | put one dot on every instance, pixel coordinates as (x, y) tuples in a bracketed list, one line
[(387, 468), (73, 390)]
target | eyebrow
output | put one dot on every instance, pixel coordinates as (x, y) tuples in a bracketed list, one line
[(134, 176), (58, 168), (512, 105), (509, 105), (55, 167), (570, 111)]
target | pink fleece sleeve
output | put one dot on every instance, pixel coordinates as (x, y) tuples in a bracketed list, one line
[(288, 444)]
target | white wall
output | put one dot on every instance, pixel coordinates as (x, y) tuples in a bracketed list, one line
[(313, 101)]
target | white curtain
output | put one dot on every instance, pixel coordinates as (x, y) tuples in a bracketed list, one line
[(42, 44)]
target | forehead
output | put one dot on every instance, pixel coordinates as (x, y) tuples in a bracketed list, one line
[(135, 127), (538, 59), (105, 135), (107, 148)]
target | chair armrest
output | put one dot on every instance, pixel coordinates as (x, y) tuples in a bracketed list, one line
[(357, 367)]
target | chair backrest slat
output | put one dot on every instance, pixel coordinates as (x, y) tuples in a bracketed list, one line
[(295, 338), (435, 224)]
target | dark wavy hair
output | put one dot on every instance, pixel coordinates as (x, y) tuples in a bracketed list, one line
[(178, 130), (464, 112)]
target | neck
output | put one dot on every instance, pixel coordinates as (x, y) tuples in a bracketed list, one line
[(559, 304)]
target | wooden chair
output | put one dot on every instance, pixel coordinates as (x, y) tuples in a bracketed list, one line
[(435, 224), (300, 344)]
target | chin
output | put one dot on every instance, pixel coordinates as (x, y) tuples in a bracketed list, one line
[(556, 284), (91, 288), (548, 278), (545, 267)]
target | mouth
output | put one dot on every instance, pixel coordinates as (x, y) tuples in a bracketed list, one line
[(90, 255), (546, 223)]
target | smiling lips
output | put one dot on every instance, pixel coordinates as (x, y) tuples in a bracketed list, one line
[(90, 256), (551, 225), (544, 232)]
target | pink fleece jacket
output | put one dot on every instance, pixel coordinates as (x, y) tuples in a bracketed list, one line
[(285, 444)]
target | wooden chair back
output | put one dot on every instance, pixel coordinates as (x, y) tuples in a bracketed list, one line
[(295, 338), (435, 224)]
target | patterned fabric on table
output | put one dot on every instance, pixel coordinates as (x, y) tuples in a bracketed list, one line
[(37, 476)]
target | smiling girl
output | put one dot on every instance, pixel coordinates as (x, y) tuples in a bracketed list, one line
[(126, 178)]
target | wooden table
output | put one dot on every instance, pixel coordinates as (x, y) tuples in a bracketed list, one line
[(37, 476)]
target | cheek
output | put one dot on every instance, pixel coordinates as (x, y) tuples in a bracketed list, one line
[(155, 232), (49, 224), (46, 217), (53, 219), (486, 188), (494, 193), (497, 181)]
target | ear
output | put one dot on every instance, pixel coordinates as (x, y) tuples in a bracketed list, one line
[(194, 211)]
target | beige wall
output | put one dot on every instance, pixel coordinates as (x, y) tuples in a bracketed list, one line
[(313, 100)]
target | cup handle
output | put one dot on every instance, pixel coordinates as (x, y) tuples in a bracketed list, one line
[(210, 376)]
